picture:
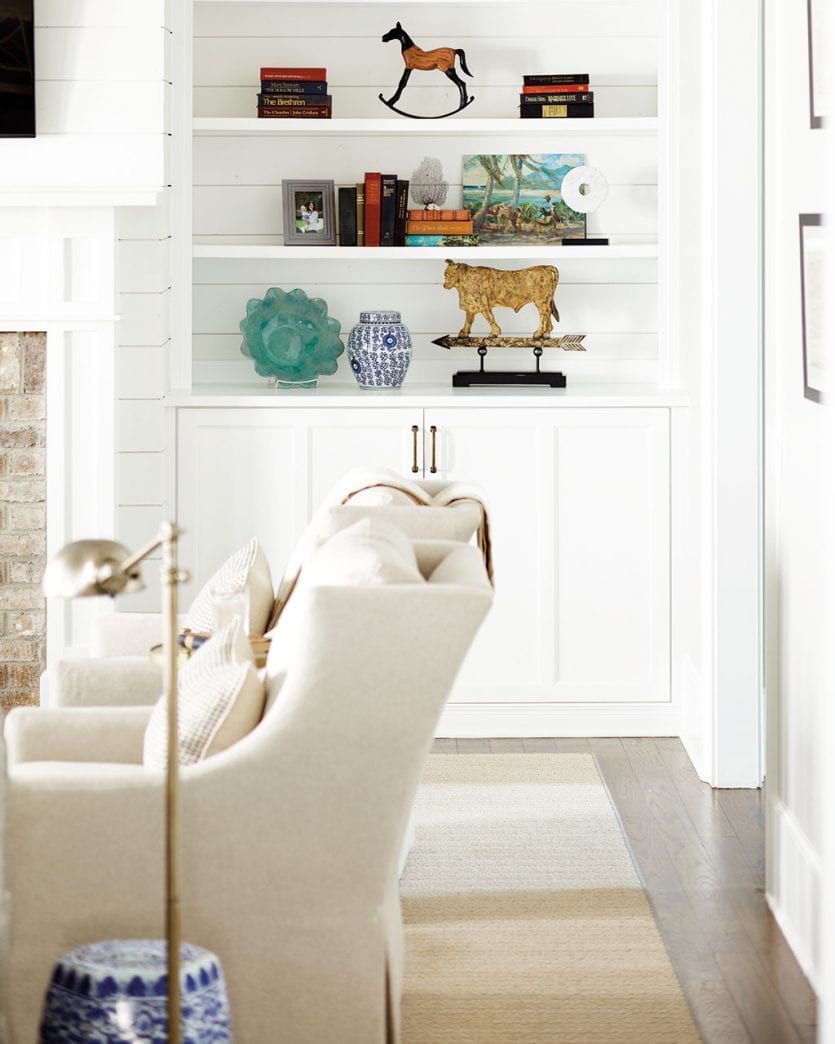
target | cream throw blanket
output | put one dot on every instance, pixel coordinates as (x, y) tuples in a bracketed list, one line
[(367, 487)]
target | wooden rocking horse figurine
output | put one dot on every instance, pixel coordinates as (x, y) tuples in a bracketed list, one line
[(441, 58)]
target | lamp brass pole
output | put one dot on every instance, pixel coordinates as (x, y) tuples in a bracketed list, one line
[(97, 567)]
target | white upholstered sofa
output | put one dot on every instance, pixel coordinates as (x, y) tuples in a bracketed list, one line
[(118, 671), (291, 836)]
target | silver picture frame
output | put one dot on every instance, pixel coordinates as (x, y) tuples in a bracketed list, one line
[(309, 212)]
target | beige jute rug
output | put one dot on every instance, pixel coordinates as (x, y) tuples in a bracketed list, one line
[(526, 921)]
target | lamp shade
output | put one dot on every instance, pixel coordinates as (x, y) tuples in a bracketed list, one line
[(91, 567)]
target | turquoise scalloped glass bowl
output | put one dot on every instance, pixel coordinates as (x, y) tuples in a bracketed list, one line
[(291, 337)]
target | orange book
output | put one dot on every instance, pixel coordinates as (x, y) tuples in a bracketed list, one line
[(551, 88), (440, 228), (439, 215), (373, 199)]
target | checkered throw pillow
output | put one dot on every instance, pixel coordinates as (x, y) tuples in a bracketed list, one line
[(220, 700)]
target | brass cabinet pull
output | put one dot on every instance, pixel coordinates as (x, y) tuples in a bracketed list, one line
[(415, 430), (433, 467)]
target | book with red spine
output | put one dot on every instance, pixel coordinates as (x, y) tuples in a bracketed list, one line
[(550, 88), (373, 198), (284, 72)]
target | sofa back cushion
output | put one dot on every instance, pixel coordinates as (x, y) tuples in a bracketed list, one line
[(369, 551)]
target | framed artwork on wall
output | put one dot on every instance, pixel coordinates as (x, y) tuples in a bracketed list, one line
[(819, 71), (812, 305), (309, 213)]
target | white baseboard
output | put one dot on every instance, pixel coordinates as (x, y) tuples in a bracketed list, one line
[(692, 717), (479, 720), (796, 895)]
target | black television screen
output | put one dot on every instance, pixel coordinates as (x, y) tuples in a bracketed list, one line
[(17, 69)]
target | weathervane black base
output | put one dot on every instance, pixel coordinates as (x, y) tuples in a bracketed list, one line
[(514, 378), (525, 378)]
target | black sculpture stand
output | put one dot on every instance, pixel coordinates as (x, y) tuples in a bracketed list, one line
[(523, 378)]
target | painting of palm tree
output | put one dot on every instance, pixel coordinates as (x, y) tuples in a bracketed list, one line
[(517, 198)]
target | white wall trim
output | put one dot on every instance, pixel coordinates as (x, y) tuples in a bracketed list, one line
[(731, 398), (481, 720), (795, 892)]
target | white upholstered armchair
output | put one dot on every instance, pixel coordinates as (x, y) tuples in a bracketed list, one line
[(291, 836)]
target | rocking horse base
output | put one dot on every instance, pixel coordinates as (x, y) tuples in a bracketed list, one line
[(415, 116)]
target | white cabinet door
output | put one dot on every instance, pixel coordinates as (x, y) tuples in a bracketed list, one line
[(241, 473), (579, 506), (257, 472), (505, 452), (611, 494), (339, 440)]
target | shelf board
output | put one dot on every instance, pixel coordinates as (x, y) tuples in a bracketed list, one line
[(229, 125), (239, 251)]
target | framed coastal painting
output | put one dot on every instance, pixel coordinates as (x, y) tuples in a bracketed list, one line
[(812, 306), (820, 78), (309, 211), (517, 198)]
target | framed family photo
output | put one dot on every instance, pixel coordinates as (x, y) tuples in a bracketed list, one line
[(309, 213), (812, 305)]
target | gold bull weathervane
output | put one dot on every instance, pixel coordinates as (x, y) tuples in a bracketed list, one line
[(440, 58), (480, 290)]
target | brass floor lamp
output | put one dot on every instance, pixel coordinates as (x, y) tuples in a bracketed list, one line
[(97, 567)]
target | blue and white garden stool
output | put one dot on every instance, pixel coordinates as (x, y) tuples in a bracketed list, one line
[(116, 992)]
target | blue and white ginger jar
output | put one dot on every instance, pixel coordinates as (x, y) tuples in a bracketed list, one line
[(379, 350)]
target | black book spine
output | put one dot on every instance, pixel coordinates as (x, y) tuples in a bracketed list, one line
[(294, 86), (293, 101), (401, 212), (388, 207), (348, 216), (531, 81), (535, 112), (557, 99)]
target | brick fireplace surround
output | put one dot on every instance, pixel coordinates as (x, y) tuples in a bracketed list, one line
[(22, 516)]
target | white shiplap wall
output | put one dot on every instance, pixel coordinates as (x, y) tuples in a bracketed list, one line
[(99, 77), (237, 179)]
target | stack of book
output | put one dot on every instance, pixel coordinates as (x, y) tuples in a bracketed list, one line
[(288, 93), (373, 211), (556, 95), (440, 228)]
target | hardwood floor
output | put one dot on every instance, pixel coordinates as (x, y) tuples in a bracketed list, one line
[(701, 854)]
